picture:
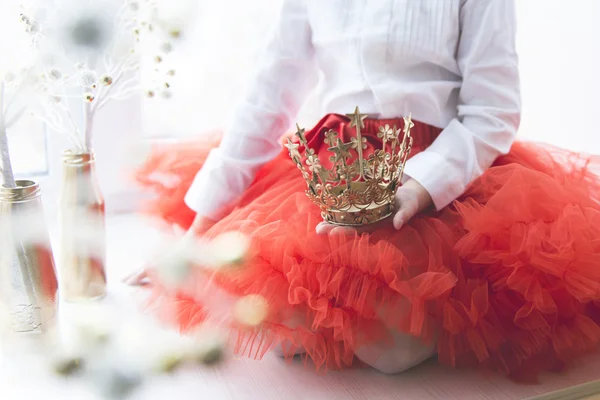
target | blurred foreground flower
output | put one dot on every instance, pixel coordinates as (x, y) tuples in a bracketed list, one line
[(117, 356), (230, 249), (251, 310), (188, 253)]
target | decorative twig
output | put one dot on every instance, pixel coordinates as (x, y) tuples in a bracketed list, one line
[(53, 121), (125, 89), (117, 74), (88, 116), (70, 119), (8, 178)]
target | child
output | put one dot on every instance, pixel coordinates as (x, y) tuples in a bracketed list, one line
[(492, 256)]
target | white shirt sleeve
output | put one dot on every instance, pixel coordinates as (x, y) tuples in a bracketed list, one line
[(284, 78), (489, 103)]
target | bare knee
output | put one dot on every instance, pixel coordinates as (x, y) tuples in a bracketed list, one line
[(278, 350), (286, 349), (391, 364), (408, 352)]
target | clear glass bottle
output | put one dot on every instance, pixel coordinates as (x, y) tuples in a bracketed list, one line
[(28, 284), (82, 230)]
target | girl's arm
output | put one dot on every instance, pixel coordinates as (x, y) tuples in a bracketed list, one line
[(489, 103), (283, 79)]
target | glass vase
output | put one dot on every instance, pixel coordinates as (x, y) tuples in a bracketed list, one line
[(28, 284), (82, 274)]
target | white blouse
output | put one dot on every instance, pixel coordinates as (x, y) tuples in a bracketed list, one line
[(451, 63)]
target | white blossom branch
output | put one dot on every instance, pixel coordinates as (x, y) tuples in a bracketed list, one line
[(8, 178), (52, 118), (120, 13), (104, 95), (52, 124), (88, 120), (64, 96), (123, 90), (122, 23), (107, 60), (103, 91), (70, 118), (124, 94)]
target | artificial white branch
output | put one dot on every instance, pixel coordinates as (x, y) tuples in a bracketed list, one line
[(88, 120), (106, 61), (104, 91), (70, 119), (125, 94), (8, 178), (64, 96), (131, 83), (53, 120), (123, 89), (51, 124)]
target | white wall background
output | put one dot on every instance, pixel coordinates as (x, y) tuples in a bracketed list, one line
[(213, 64), (558, 43), (559, 48)]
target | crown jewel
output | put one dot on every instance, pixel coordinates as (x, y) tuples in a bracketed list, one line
[(358, 189)]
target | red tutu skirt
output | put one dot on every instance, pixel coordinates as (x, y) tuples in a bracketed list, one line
[(507, 276)]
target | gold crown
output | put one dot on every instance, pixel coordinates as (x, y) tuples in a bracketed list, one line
[(357, 190)]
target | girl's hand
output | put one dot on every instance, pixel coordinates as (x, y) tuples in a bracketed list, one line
[(198, 228), (411, 199)]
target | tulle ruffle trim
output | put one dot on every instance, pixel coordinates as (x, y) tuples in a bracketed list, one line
[(506, 277)]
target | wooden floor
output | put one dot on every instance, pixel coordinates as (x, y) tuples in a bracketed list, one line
[(273, 378)]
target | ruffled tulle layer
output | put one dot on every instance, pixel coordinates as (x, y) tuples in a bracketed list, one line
[(507, 276)]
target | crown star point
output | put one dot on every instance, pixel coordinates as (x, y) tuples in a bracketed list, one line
[(357, 118), (341, 150), (291, 145), (408, 124), (293, 150), (300, 134)]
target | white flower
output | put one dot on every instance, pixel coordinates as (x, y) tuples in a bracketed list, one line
[(166, 47), (54, 74), (80, 28), (134, 4), (106, 80), (176, 263), (207, 346), (88, 78), (90, 325), (251, 310), (176, 15), (230, 248)]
